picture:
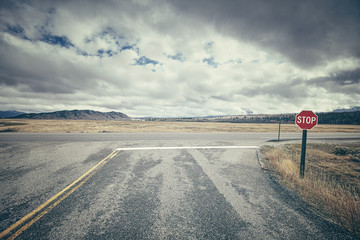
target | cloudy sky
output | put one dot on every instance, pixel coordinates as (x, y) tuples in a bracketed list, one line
[(180, 57)]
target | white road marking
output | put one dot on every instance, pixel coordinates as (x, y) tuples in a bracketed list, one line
[(187, 147)]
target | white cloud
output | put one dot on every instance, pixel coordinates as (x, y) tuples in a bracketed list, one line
[(157, 60)]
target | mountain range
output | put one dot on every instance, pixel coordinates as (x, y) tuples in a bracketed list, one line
[(75, 115), (9, 114), (338, 116)]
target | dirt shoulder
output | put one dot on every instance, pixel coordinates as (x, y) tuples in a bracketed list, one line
[(332, 178)]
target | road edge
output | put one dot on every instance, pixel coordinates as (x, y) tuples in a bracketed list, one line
[(294, 200)]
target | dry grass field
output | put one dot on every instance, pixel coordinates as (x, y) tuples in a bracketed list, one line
[(91, 126), (332, 178)]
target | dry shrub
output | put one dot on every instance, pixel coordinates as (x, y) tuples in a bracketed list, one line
[(288, 168), (339, 200), (346, 208)]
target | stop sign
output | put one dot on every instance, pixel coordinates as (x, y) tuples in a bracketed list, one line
[(306, 120)]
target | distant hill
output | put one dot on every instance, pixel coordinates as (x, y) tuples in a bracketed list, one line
[(9, 114), (76, 115), (352, 109), (341, 118), (348, 117)]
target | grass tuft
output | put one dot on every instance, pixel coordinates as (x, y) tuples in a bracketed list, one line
[(332, 179)]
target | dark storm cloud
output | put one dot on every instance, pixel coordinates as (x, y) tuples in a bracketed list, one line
[(308, 33), (290, 90), (40, 74), (346, 82), (342, 82), (342, 78)]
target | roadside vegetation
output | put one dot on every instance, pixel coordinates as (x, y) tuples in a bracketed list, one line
[(8, 126), (332, 178), (103, 126)]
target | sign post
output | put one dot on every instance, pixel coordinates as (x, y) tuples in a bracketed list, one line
[(303, 153), (305, 120), (279, 129)]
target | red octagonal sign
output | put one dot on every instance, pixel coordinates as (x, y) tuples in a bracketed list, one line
[(306, 120)]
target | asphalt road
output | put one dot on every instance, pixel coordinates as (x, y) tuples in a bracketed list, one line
[(150, 186)]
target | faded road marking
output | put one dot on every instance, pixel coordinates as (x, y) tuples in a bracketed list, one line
[(28, 220), (37, 214), (187, 147)]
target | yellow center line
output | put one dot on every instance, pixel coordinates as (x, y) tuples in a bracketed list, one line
[(81, 179)]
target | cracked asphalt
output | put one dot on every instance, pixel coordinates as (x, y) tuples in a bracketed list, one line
[(151, 193)]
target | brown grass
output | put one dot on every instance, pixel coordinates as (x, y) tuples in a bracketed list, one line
[(332, 178), (76, 126)]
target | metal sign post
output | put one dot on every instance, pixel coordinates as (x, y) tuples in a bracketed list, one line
[(303, 153), (306, 120), (279, 129)]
